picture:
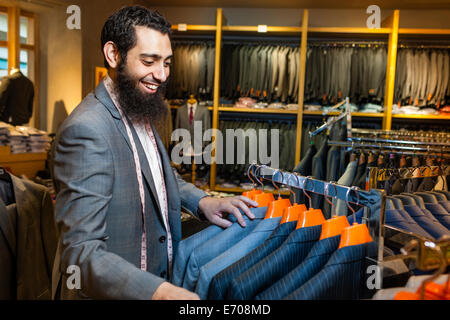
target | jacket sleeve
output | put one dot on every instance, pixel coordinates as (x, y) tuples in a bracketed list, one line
[(190, 195), (83, 168)]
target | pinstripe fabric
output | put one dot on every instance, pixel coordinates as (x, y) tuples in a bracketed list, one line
[(219, 284), (218, 244), (439, 213), (185, 249), (274, 266), (313, 263), (239, 250), (341, 278)]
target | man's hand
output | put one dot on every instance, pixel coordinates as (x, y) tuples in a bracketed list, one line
[(214, 208), (167, 291)]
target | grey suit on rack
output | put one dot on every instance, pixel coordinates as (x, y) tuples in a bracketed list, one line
[(201, 114), (98, 208)]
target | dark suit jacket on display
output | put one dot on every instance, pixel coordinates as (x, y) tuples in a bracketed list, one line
[(29, 228), (221, 282), (98, 208), (16, 99)]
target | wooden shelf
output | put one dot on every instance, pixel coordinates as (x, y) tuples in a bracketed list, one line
[(423, 31), (354, 114), (254, 110), (421, 116), (195, 27), (269, 29), (22, 163), (351, 30)]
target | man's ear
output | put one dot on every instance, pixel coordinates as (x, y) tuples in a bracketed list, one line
[(111, 53)]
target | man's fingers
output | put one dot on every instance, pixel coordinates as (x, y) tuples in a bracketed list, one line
[(241, 204), (247, 201), (235, 211), (219, 221)]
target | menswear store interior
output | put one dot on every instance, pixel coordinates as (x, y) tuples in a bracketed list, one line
[(330, 118)]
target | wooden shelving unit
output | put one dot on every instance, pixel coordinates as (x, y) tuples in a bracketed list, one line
[(390, 31)]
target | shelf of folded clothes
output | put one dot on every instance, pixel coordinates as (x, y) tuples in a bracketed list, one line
[(416, 112), (258, 110), (27, 164), (354, 114)]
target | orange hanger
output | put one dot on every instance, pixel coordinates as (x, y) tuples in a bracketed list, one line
[(334, 226), (276, 207), (311, 217), (251, 194), (356, 233), (292, 213), (264, 198)]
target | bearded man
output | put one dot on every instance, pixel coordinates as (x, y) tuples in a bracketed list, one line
[(118, 199)]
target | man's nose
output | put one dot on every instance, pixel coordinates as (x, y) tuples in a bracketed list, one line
[(160, 73)]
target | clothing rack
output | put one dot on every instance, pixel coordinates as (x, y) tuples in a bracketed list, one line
[(359, 139), (381, 174), (373, 201), (332, 120), (425, 258), (432, 151), (403, 133), (346, 43)]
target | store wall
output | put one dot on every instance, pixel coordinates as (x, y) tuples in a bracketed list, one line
[(94, 15), (61, 72)]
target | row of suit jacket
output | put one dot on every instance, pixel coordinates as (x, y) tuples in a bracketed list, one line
[(268, 260), (28, 239), (423, 76), (237, 170), (426, 214), (265, 72), (192, 71), (333, 73)]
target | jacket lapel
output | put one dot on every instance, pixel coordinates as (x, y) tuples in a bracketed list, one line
[(173, 197), (7, 228), (102, 94)]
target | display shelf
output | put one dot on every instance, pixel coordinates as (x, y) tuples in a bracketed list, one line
[(27, 164), (194, 27), (269, 29), (421, 116), (354, 114), (348, 30), (424, 31), (254, 110)]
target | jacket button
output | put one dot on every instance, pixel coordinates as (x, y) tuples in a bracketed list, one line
[(162, 239), (163, 274)]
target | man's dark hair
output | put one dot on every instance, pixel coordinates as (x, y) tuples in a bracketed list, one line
[(120, 27)]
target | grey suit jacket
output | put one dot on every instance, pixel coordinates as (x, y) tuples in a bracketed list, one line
[(98, 209), (201, 114)]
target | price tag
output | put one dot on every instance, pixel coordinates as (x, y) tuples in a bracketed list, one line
[(182, 27), (262, 28)]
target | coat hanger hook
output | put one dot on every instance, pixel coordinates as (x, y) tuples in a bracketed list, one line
[(273, 182), (354, 189), (249, 170), (305, 182), (327, 194), (258, 169)]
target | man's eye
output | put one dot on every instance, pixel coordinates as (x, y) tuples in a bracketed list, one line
[(168, 64), (148, 62)]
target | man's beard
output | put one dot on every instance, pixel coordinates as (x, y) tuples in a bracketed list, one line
[(140, 107)]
